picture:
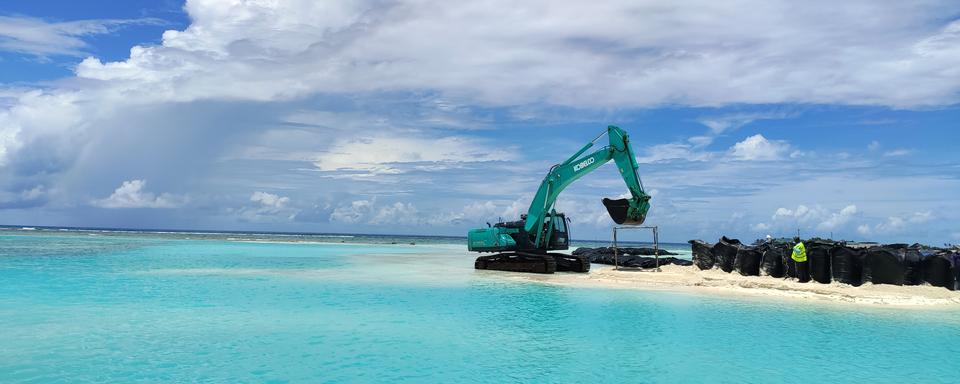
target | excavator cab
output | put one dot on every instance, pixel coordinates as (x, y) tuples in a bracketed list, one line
[(557, 238)]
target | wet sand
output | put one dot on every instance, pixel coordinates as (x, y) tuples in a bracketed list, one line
[(717, 282)]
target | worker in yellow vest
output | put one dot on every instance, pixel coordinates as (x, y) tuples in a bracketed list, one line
[(799, 257)]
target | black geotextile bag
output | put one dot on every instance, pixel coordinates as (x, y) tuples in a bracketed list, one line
[(819, 257), (956, 270), (938, 271), (702, 254), (912, 270), (789, 266), (635, 261), (771, 263), (882, 266), (846, 265), (748, 261), (725, 253)]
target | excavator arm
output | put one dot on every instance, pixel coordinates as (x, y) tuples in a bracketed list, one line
[(632, 211)]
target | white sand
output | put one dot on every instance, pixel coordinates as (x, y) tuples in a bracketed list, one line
[(717, 282)]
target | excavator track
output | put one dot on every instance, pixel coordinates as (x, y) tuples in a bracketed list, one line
[(518, 262), (571, 263), (533, 262)]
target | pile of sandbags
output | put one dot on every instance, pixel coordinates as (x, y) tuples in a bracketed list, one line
[(897, 264), (629, 257)]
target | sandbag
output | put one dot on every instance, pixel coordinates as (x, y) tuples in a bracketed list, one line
[(956, 270), (604, 255), (938, 271), (725, 253), (747, 261), (882, 266), (634, 261), (789, 266), (846, 265), (771, 263), (819, 257), (912, 270), (702, 254)]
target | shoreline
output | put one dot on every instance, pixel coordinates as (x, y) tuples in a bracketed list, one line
[(715, 283)]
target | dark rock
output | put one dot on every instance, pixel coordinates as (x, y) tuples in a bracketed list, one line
[(702, 254)]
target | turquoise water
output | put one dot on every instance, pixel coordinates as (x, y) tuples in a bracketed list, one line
[(82, 307)]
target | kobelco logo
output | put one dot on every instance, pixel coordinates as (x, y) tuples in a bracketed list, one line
[(583, 164)]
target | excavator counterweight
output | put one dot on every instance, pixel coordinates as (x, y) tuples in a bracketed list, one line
[(524, 245)]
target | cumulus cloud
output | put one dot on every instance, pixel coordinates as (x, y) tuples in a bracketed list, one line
[(42, 38), (757, 147), (815, 217), (355, 212), (268, 207), (132, 194), (896, 224)]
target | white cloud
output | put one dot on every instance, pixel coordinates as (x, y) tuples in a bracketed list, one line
[(633, 54), (41, 38), (896, 224), (757, 147), (269, 207), (356, 212), (269, 200), (760, 227), (874, 145), (838, 219), (673, 151), (384, 154), (818, 217), (721, 124), (897, 152), (397, 213), (131, 194)]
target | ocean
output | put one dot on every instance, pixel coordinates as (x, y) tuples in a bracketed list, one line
[(132, 306)]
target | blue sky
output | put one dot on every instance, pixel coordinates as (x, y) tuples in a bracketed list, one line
[(435, 117)]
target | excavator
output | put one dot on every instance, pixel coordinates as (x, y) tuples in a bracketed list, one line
[(524, 245)]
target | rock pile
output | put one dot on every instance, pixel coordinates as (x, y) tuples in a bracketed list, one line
[(898, 264)]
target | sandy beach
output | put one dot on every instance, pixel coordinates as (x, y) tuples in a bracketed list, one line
[(716, 282)]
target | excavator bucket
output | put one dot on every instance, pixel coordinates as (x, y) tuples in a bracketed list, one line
[(619, 210)]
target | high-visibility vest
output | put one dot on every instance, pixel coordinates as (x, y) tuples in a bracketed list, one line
[(799, 253)]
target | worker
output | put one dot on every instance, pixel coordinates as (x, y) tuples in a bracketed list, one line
[(800, 259)]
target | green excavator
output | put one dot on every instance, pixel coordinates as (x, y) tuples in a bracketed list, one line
[(525, 245)]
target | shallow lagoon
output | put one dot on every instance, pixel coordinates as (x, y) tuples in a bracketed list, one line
[(122, 308)]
